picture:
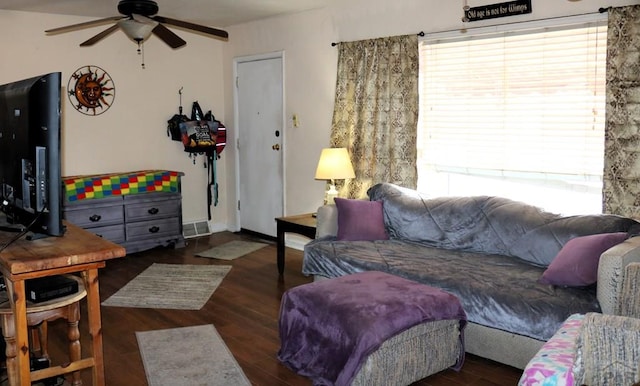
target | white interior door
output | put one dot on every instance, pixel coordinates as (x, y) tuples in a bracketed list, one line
[(260, 117)]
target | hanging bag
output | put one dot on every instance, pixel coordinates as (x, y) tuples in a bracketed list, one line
[(173, 124), (198, 135), (221, 134)]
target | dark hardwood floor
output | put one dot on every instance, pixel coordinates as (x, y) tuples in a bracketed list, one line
[(244, 310)]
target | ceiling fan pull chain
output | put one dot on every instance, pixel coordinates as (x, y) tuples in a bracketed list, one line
[(141, 51)]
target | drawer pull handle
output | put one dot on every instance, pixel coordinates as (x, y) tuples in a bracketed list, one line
[(154, 229), (95, 218), (153, 211)]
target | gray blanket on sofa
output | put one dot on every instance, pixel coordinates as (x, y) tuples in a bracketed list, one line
[(488, 251), (495, 291), (490, 225)]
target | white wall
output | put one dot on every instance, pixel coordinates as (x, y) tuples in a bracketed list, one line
[(130, 135), (310, 64)]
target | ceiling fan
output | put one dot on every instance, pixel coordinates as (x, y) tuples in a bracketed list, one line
[(138, 22)]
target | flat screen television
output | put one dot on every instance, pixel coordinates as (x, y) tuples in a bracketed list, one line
[(30, 155)]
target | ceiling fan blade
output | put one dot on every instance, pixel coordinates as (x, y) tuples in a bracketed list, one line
[(99, 36), (87, 24), (195, 27), (173, 40)]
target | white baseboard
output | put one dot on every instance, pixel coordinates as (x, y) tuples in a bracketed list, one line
[(295, 241), (291, 240), (218, 227)]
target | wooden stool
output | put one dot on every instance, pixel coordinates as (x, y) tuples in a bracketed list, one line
[(38, 314)]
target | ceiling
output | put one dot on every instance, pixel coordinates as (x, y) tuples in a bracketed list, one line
[(212, 13)]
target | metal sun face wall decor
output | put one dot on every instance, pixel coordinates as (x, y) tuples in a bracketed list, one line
[(91, 90)]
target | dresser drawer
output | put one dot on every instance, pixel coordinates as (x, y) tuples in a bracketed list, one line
[(113, 233), (95, 216), (156, 228), (152, 209)]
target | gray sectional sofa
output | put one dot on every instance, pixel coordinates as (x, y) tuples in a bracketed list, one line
[(491, 252)]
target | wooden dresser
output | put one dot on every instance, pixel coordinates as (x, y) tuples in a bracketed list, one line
[(137, 210)]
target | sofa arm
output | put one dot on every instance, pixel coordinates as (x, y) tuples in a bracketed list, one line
[(327, 221), (630, 300), (607, 351), (612, 275)]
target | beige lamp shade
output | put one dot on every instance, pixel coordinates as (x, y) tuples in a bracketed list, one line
[(334, 164)]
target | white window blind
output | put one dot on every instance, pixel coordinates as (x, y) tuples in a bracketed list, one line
[(516, 114)]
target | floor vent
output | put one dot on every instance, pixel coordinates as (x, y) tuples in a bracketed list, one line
[(195, 229)]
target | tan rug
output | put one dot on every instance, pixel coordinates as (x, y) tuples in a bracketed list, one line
[(232, 250), (188, 356), (170, 286)]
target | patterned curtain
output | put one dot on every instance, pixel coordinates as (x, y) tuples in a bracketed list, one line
[(376, 111), (621, 179)]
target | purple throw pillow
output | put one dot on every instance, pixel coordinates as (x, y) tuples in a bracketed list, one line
[(360, 220), (576, 265)]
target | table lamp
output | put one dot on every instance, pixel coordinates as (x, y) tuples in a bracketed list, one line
[(334, 164)]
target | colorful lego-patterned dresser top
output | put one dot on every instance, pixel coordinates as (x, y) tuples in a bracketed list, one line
[(119, 184)]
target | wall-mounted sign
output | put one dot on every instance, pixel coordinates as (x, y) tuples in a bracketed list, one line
[(491, 11)]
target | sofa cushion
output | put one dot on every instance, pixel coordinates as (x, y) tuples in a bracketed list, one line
[(490, 225), (360, 220), (496, 291), (577, 262)]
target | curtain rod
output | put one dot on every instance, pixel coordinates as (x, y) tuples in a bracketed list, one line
[(421, 33), (600, 10)]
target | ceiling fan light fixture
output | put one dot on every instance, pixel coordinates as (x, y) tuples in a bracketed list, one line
[(135, 30)]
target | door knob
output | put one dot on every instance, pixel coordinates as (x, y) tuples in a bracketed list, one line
[(276, 147)]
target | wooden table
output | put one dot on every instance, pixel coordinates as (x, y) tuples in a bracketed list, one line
[(304, 224), (76, 251)]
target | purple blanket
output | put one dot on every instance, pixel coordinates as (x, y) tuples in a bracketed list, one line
[(329, 327)]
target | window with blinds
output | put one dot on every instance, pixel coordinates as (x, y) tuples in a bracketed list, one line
[(518, 114)]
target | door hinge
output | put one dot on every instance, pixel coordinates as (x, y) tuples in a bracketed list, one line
[(238, 204), (237, 81), (238, 143)]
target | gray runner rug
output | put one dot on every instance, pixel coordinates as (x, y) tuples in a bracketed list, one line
[(232, 250), (170, 286), (188, 356)]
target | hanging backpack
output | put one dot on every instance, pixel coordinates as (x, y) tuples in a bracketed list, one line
[(173, 124)]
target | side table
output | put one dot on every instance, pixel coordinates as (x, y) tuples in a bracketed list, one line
[(77, 251), (303, 224)]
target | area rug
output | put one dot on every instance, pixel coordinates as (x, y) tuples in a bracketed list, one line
[(232, 250), (170, 286), (188, 356)]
